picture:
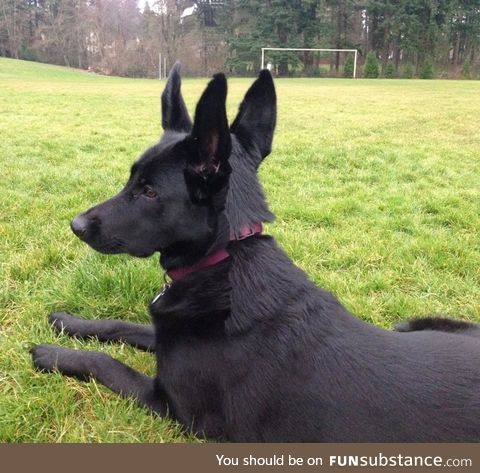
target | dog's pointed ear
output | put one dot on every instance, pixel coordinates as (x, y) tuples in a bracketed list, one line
[(174, 112), (257, 116), (210, 142)]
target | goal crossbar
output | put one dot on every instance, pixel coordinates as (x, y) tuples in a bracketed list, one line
[(355, 51)]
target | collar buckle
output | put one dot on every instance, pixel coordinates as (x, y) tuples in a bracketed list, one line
[(242, 236), (166, 286), (247, 231)]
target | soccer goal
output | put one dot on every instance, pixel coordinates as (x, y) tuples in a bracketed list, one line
[(312, 51)]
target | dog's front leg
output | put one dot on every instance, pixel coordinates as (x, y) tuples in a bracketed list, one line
[(111, 373), (138, 335)]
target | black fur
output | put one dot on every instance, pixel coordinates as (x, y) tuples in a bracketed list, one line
[(174, 112), (250, 349), (441, 324)]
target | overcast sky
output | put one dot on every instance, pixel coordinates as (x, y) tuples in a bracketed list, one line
[(141, 3)]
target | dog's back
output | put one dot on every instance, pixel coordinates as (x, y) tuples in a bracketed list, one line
[(331, 377), (289, 363)]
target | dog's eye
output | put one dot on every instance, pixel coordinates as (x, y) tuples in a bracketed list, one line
[(149, 192)]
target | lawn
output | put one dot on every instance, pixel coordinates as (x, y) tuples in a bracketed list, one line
[(375, 184)]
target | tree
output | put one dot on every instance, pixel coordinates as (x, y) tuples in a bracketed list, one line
[(466, 70), (115, 37), (253, 24), (14, 26), (389, 70), (62, 33), (371, 70), (408, 71), (427, 70), (348, 67)]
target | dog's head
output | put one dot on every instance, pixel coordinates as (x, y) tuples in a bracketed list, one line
[(186, 193)]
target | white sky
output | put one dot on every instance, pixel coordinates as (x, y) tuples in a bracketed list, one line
[(141, 3)]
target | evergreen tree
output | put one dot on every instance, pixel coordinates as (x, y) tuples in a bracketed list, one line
[(114, 36), (348, 67), (371, 70), (408, 71), (466, 70), (253, 24), (390, 70), (427, 70)]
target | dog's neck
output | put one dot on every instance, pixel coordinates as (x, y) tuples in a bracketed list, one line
[(213, 257), (245, 201)]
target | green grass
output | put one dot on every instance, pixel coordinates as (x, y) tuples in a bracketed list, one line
[(376, 187)]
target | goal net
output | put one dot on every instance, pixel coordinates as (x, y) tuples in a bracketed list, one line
[(310, 62)]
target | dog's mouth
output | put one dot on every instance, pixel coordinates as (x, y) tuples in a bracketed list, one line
[(140, 254), (116, 247), (112, 247)]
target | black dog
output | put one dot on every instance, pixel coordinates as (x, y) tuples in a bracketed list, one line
[(248, 349)]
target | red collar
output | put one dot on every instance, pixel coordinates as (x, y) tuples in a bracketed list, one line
[(217, 256)]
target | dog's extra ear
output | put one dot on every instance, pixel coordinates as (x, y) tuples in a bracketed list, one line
[(210, 142), (257, 116), (174, 112)]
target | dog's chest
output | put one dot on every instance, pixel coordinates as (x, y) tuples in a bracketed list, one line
[(190, 340)]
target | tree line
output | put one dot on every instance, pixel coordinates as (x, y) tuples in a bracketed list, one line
[(121, 37)]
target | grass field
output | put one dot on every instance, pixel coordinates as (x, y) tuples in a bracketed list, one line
[(375, 183)]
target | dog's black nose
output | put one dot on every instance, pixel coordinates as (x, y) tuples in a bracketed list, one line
[(79, 225)]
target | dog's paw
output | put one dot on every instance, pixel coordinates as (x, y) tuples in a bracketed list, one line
[(76, 363), (47, 357), (61, 321)]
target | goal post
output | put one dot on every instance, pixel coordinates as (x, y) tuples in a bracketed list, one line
[(355, 51)]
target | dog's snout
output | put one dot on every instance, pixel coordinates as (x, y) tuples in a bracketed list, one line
[(79, 225)]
